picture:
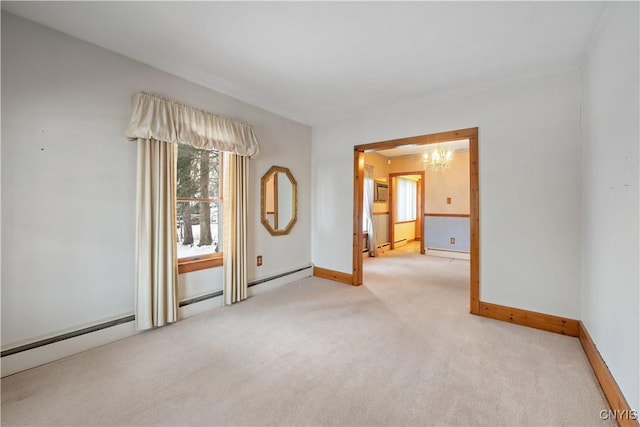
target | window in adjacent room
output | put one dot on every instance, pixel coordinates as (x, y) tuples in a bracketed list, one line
[(199, 208), (406, 200)]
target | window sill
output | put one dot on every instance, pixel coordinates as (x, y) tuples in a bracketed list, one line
[(188, 265)]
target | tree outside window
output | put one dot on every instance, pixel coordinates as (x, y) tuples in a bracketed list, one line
[(199, 203)]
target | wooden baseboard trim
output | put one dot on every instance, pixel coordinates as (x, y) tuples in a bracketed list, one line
[(336, 276), (620, 409), (532, 319)]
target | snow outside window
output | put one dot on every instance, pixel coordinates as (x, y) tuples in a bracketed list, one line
[(199, 202)]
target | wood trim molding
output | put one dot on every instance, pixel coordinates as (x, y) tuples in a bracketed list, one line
[(420, 208), (532, 319), (422, 139), (207, 261), (358, 199), (457, 215), (392, 213), (380, 213), (474, 224), (400, 174), (405, 222), (619, 406), (336, 276)]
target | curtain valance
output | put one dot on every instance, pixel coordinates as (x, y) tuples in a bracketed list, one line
[(155, 117)]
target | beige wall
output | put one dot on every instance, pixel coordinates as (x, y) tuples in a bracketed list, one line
[(453, 183), (404, 230), (269, 186), (380, 173), (439, 185), (406, 164)]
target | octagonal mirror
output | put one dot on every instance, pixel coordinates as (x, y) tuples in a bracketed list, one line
[(278, 201)]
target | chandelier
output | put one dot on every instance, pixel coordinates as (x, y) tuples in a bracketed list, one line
[(438, 159)]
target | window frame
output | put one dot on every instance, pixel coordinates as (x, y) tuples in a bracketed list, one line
[(210, 260)]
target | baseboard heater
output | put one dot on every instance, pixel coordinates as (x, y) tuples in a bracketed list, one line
[(383, 245), (131, 317), (277, 276), (400, 242)]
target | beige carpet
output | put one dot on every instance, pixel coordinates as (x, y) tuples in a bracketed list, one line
[(401, 350)]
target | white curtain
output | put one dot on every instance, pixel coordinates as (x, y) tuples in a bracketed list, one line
[(155, 117), (156, 249), (235, 196), (158, 124), (368, 209), (406, 199)]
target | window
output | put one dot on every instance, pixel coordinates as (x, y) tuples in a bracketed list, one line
[(199, 208), (406, 199)]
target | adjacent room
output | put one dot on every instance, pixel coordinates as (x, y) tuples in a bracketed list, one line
[(429, 207), (416, 222), (320, 213)]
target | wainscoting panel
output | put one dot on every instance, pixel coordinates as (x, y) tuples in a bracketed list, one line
[(438, 231)]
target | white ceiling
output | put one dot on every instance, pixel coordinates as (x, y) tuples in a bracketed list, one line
[(319, 61)]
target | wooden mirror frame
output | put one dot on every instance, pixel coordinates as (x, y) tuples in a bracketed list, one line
[(263, 205)]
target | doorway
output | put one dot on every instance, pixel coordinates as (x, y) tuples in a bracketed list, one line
[(398, 220), (472, 135)]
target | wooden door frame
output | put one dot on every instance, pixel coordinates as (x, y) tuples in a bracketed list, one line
[(474, 208), (419, 208)]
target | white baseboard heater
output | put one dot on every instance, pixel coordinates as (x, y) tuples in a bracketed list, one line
[(131, 317)]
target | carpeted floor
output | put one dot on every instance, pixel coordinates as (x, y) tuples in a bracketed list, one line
[(401, 350)]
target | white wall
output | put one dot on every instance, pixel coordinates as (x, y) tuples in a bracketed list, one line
[(529, 141), (610, 296), (68, 181)]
